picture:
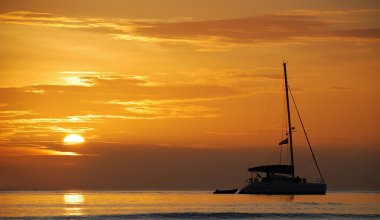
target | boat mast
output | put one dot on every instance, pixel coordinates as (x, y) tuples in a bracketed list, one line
[(289, 121)]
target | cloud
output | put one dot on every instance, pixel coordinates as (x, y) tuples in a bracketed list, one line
[(12, 114), (119, 166), (17, 149), (336, 12), (239, 30), (52, 20), (228, 133), (251, 75), (296, 26), (342, 88), (26, 114), (267, 28)]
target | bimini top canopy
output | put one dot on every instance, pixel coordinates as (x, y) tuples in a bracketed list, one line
[(284, 169)]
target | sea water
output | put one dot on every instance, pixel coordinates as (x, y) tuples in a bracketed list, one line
[(185, 205)]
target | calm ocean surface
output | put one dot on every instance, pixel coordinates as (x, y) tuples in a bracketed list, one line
[(184, 205)]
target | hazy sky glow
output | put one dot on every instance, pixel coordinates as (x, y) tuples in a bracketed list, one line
[(184, 94)]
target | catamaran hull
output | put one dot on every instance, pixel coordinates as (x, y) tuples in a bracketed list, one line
[(284, 188)]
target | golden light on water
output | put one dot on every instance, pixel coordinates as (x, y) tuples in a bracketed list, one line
[(73, 211), (73, 139), (73, 200)]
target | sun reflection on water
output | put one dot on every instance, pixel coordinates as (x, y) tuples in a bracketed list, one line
[(73, 200)]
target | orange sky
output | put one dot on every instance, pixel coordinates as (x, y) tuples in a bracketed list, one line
[(184, 94)]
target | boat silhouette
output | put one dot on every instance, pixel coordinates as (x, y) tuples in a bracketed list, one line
[(279, 178)]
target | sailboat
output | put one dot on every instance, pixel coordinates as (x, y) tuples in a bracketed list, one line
[(279, 178)]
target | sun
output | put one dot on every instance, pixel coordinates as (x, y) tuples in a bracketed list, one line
[(73, 139)]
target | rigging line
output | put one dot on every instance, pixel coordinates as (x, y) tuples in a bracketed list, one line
[(259, 133), (304, 165), (258, 140), (281, 154), (282, 128), (307, 139)]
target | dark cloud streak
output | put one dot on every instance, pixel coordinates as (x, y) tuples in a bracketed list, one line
[(120, 166), (248, 30)]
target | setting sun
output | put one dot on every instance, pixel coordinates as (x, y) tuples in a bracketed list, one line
[(73, 139)]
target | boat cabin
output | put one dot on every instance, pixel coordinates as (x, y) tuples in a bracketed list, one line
[(274, 173)]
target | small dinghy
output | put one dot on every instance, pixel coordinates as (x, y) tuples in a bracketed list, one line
[(225, 191)]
